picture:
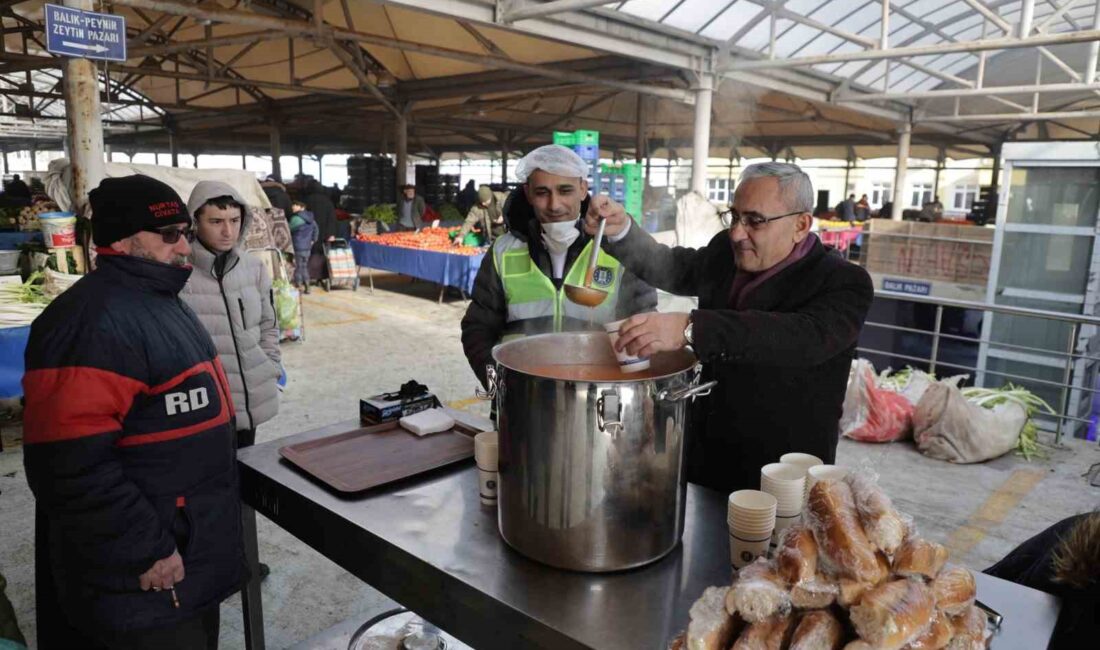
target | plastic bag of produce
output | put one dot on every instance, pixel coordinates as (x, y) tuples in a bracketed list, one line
[(911, 383), (950, 427), (872, 413), (286, 305)]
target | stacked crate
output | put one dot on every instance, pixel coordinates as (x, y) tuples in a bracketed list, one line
[(587, 146), (371, 180), (427, 184), (448, 187), (623, 183)]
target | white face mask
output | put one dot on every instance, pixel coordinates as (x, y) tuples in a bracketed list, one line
[(558, 236)]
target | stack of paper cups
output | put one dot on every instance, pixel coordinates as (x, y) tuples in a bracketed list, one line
[(824, 473), (787, 483), (486, 454), (751, 519), (805, 461)]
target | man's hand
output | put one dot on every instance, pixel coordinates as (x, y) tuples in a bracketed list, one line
[(614, 213), (164, 574), (645, 334)]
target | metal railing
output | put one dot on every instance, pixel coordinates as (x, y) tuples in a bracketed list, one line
[(1069, 355)]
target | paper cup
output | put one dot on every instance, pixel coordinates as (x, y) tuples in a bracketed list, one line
[(787, 483), (486, 453), (824, 473), (627, 363), (745, 548), (802, 460)]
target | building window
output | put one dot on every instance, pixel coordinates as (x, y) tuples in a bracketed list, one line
[(881, 193), (920, 193), (965, 195), (718, 190)]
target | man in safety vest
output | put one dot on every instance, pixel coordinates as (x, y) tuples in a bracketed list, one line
[(519, 288)]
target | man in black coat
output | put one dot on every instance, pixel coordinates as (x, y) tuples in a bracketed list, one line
[(778, 320)]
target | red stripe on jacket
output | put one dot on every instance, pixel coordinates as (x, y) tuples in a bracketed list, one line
[(74, 402), (77, 401)]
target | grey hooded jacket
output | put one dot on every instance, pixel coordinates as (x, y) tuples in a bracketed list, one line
[(237, 310)]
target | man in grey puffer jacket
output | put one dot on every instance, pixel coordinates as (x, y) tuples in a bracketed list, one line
[(230, 292)]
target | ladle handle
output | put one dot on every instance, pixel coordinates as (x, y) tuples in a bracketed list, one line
[(595, 252)]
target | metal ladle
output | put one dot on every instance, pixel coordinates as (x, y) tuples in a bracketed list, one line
[(585, 295)]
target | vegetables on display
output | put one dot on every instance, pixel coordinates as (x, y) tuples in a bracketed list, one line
[(381, 212), (1028, 445), (429, 239)]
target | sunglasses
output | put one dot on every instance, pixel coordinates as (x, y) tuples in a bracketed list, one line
[(730, 218), (171, 235)]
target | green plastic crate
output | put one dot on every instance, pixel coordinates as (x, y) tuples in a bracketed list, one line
[(565, 138), (587, 137)]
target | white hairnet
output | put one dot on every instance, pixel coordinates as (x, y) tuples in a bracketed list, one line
[(554, 159)]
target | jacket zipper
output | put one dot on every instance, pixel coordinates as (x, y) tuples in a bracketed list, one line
[(237, 350)]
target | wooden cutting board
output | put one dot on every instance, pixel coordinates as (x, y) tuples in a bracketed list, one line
[(367, 457)]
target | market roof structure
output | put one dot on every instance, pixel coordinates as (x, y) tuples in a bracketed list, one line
[(813, 78)]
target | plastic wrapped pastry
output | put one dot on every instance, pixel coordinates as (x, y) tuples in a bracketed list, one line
[(936, 636), (969, 630), (758, 593), (796, 559), (920, 557), (818, 593), (711, 626), (954, 590), (881, 522), (840, 538), (771, 634), (818, 630), (893, 614)]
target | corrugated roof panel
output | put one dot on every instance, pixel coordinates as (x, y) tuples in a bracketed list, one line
[(951, 10), (651, 9), (806, 7), (823, 43), (732, 20), (909, 30), (692, 14), (799, 37), (757, 38), (866, 17)]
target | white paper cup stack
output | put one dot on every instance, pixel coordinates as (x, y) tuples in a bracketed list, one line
[(751, 519), (627, 363), (802, 460), (787, 483), (486, 453), (824, 473)]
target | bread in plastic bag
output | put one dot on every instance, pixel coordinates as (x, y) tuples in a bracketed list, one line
[(919, 558), (711, 626), (871, 413), (936, 636), (818, 630), (970, 631), (818, 593), (796, 557), (893, 614), (884, 526), (770, 634), (842, 545), (758, 593), (955, 590), (949, 427)]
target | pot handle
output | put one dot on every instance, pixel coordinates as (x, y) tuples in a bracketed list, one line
[(679, 394), (606, 425), (491, 380)]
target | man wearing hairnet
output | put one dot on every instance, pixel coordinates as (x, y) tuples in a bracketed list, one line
[(519, 288)]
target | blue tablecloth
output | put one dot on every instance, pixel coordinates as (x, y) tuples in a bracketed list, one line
[(10, 241), (13, 342), (442, 268)]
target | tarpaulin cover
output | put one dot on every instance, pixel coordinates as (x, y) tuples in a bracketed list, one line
[(442, 268), (10, 241), (13, 342)]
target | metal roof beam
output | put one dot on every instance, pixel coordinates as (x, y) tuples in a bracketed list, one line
[(1007, 43), (307, 29), (950, 93), (1007, 117), (782, 12), (514, 11)]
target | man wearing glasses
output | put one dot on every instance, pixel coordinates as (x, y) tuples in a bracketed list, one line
[(128, 442), (777, 324)]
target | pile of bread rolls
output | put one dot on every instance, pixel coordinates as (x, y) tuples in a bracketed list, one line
[(851, 576)]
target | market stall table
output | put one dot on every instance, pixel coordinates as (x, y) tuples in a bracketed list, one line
[(10, 241), (445, 269), (428, 544)]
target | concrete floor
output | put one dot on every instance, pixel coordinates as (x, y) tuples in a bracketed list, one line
[(358, 344)]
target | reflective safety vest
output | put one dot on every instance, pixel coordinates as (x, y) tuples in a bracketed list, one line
[(531, 295)]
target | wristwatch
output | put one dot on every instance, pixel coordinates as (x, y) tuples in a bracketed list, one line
[(687, 331)]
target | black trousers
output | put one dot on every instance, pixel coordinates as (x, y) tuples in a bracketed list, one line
[(198, 633), (246, 438)]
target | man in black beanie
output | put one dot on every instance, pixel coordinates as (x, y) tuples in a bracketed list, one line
[(129, 442)]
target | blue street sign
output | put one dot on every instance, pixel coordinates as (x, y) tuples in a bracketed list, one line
[(74, 32), (907, 286)]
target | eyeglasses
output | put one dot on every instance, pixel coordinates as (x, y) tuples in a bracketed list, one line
[(731, 217), (171, 235)]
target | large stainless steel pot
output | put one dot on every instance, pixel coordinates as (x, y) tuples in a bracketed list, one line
[(591, 460)]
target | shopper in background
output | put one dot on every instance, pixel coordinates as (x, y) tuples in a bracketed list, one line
[(16, 188), (410, 209), (230, 291), (887, 210), (846, 211), (319, 202), (486, 215), (467, 197), (304, 234), (863, 209), (128, 442), (778, 320), (276, 194)]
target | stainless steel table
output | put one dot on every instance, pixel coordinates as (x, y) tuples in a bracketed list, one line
[(428, 544)]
